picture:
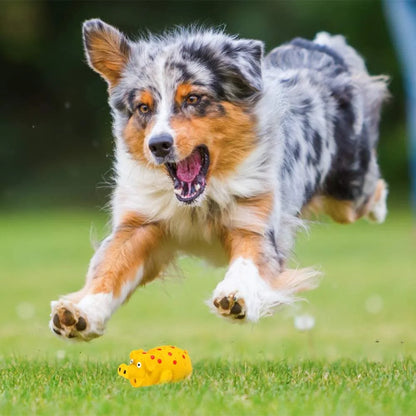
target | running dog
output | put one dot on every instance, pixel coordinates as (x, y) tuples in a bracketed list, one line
[(219, 153)]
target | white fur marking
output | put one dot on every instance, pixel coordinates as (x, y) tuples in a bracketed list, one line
[(378, 212), (97, 308), (244, 282)]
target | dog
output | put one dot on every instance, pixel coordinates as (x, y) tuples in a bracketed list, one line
[(221, 152)]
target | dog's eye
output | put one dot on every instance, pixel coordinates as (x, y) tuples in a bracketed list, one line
[(193, 99), (143, 108), (131, 361), (139, 365)]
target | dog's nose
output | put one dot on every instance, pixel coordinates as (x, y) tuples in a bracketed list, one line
[(161, 144)]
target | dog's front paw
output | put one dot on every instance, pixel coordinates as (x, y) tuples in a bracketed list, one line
[(243, 294), (231, 306), (69, 320)]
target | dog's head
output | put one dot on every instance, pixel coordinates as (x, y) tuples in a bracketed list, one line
[(181, 102)]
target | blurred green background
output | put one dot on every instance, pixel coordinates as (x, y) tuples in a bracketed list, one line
[(55, 128)]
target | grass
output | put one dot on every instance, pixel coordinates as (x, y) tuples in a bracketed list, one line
[(256, 388), (359, 359)]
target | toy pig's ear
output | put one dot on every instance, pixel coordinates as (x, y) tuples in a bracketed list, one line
[(107, 50), (134, 354)]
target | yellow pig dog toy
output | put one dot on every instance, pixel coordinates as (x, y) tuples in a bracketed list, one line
[(159, 365)]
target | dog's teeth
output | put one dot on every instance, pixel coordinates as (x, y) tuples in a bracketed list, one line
[(197, 187), (201, 180)]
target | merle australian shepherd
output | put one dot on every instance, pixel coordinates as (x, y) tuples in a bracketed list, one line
[(220, 152)]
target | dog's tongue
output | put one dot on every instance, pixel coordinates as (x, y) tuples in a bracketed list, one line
[(188, 169)]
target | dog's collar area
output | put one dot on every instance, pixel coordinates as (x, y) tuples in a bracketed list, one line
[(189, 175)]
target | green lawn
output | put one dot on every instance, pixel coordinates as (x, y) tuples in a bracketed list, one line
[(358, 359)]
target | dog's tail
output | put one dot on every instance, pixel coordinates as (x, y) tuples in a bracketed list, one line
[(352, 60), (371, 91)]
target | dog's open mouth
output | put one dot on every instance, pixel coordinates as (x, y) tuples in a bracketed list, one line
[(189, 175)]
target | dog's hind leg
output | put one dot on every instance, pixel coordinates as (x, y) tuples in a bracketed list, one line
[(353, 188), (347, 211), (376, 208), (132, 255)]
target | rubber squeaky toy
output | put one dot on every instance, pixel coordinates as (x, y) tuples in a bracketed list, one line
[(165, 364)]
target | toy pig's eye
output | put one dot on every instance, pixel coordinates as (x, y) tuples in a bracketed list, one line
[(131, 361), (139, 365)]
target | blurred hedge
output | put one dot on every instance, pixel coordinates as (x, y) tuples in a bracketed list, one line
[(55, 129)]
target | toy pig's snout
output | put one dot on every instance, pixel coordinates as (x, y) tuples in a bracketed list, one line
[(123, 371)]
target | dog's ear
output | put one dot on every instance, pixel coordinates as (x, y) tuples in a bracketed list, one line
[(242, 70), (107, 50)]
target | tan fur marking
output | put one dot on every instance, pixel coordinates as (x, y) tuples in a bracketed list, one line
[(135, 136), (230, 137), (242, 243), (145, 97), (248, 243), (183, 91), (108, 52), (341, 211), (130, 247), (261, 206)]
